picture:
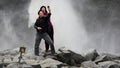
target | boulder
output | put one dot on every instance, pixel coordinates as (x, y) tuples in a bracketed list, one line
[(91, 56), (112, 56), (89, 64), (70, 57), (102, 59), (109, 64), (106, 57), (49, 63), (1, 66), (36, 66), (18, 65)]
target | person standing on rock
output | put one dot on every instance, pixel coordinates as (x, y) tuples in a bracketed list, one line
[(50, 29), (41, 25)]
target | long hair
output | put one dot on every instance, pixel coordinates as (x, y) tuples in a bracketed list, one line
[(41, 9)]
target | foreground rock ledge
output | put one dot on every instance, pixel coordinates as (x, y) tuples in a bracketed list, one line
[(63, 59)]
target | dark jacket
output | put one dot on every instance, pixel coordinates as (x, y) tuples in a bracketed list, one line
[(50, 30), (43, 23)]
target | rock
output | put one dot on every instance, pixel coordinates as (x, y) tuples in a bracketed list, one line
[(12, 52), (106, 57), (77, 57), (102, 59), (109, 64), (89, 64), (63, 59), (18, 65), (91, 55), (36, 66), (70, 58), (49, 63), (63, 50), (66, 66), (4, 64), (1, 66), (70, 67), (112, 56), (118, 61)]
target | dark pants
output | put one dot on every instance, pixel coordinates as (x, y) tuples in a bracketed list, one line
[(51, 34), (47, 38)]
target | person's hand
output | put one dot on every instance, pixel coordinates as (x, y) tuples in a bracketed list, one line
[(39, 28), (49, 9)]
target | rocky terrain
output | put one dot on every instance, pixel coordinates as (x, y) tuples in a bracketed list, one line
[(63, 59)]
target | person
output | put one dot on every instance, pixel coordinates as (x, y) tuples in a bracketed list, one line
[(41, 26), (50, 30)]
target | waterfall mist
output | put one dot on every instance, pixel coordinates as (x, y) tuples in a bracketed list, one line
[(102, 24), (79, 25), (14, 24), (68, 27)]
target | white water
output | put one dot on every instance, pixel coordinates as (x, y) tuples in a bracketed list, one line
[(68, 27)]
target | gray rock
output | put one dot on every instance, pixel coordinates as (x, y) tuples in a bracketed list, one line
[(89, 64), (49, 63), (2, 65), (102, 59), (109, 64), (36, 66), (112, 56), (91, 55), (70, 57), (63, 50), (12, 52), (106, 57), (18, 65)]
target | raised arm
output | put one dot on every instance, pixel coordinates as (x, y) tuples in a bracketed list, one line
[(49, 13), (49, 10)]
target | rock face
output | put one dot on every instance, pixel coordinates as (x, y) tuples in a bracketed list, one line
[(63, 59)]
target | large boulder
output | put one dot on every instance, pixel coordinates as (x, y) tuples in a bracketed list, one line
[(70, 57)]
